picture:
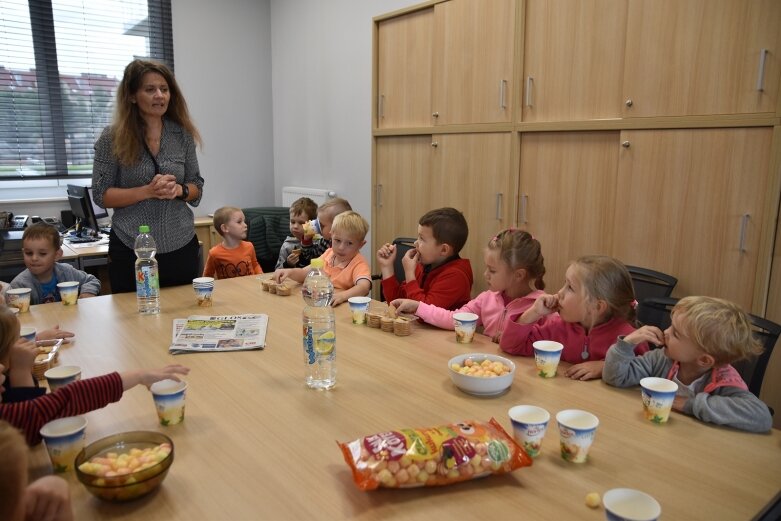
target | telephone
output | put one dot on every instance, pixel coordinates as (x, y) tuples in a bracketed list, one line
[(56, 223), (19, 222)]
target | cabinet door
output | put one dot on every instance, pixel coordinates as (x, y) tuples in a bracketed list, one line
[(691, 204), (473, 67), (403, 186), (701, 57), (472, 173), (573, 59), (568, 196), (404, 70)]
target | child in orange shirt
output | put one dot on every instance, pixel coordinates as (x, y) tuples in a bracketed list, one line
[(342, 262), (235, 257)]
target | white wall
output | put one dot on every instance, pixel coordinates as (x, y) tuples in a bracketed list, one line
[(222, 52), (322, 77)]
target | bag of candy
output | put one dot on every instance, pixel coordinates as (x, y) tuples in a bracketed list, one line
[(433, 456)]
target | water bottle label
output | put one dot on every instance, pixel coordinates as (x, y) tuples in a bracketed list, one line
[(147, 283), (309, 345)]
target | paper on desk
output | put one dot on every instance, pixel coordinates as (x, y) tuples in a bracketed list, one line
[(204, 333), (99, 242)]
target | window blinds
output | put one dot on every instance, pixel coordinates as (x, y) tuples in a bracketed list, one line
[(60, 64)]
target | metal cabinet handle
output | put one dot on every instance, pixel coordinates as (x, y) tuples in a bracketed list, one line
[(761, 73), (743, 226), (524, 205), (435, 115), (629, 102), (434, 144), (529, 85), (502, 89), (626, 144), (379, 196), (381, 106), (499, 201)]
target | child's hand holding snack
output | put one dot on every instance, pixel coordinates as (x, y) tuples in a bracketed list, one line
[(386, 255), (410, 262), (281, 275), (54, 334), (405, 305), (544, 305), (292, 259), (21, 362), (649, 334)]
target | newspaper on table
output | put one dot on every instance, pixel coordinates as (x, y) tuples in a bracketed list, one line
[(204, 333)]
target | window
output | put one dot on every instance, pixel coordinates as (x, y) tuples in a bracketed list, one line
[(60, 64)]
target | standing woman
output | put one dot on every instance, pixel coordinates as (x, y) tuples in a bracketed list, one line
[(146, 169)]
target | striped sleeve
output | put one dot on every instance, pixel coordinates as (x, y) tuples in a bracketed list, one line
[(76, 398)]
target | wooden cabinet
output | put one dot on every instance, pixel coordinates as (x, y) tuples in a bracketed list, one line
[(473, 72), (404, 47), (568, 195), (692, 204), (694, 57), (470, 172), (573, 59), (447, 64)]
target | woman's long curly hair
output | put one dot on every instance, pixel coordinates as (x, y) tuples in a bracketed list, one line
[(128, 126)]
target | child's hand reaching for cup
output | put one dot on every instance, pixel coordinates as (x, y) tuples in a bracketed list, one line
[(149, 376)]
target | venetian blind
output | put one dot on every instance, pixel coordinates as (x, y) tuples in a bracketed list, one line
[(60, 64)]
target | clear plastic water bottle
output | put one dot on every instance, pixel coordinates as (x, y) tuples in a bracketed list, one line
[(319, 329), (147, 279)]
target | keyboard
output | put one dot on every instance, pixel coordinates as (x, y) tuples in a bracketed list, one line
[(79, 240)]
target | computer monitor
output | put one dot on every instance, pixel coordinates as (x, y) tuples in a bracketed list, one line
[(100, 213), (81, 206)]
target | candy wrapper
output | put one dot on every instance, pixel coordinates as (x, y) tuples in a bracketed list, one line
[(433, 456)]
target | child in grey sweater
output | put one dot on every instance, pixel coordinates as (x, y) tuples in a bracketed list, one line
[(706, 335)]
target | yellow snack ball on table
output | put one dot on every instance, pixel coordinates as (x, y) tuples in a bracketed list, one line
[(593, 500)]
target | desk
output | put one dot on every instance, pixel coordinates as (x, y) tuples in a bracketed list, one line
[(256, 443)]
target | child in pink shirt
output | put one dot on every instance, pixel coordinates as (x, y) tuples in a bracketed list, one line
[(514, 268), (595, 307)]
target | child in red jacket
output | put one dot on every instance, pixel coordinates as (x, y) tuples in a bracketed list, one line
[(433, 271)]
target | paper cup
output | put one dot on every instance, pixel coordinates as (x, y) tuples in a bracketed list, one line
[(658, 395), (576, 430), (64, 439), (19, 298), (529, 425), (28, 333), (62, 375), (626, 504), (169, 401), (547, 354), (358, 308), (465, 325), (69, 292)]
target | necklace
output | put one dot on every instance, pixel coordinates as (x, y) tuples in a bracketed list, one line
[(584, 355)]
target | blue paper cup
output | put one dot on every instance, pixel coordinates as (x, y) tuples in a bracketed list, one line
[(576, 431), (529, 425), (547, 354), (62, 375), (169, 401), (19, 298), (69, 293), (28, 333), (465, 325), (358, 308), (626, 504), (64, 439), (658, 395)]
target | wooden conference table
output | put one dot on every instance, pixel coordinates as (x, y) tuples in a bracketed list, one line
[(257, 444)]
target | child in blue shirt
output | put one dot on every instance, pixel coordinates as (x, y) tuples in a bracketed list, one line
[(41, 247)]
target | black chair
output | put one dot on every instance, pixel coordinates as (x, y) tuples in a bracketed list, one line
[(267, 229), (656, 312), (650, 283), (403, 245)]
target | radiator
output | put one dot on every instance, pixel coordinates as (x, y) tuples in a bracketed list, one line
[(318, 195)]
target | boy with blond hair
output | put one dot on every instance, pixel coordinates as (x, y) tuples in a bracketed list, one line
[(317, 233), (302, 211), (342, 262), (234, 257), (41, 247), (433, 271), (706, 335)]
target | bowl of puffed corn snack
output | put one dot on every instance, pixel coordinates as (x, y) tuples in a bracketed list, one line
[(481, 374)]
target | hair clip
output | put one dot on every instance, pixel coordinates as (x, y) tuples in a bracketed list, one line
[(633, 304)]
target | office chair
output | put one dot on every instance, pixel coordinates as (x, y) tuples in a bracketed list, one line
[(656, 312), (649, 283), (403, 245)]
